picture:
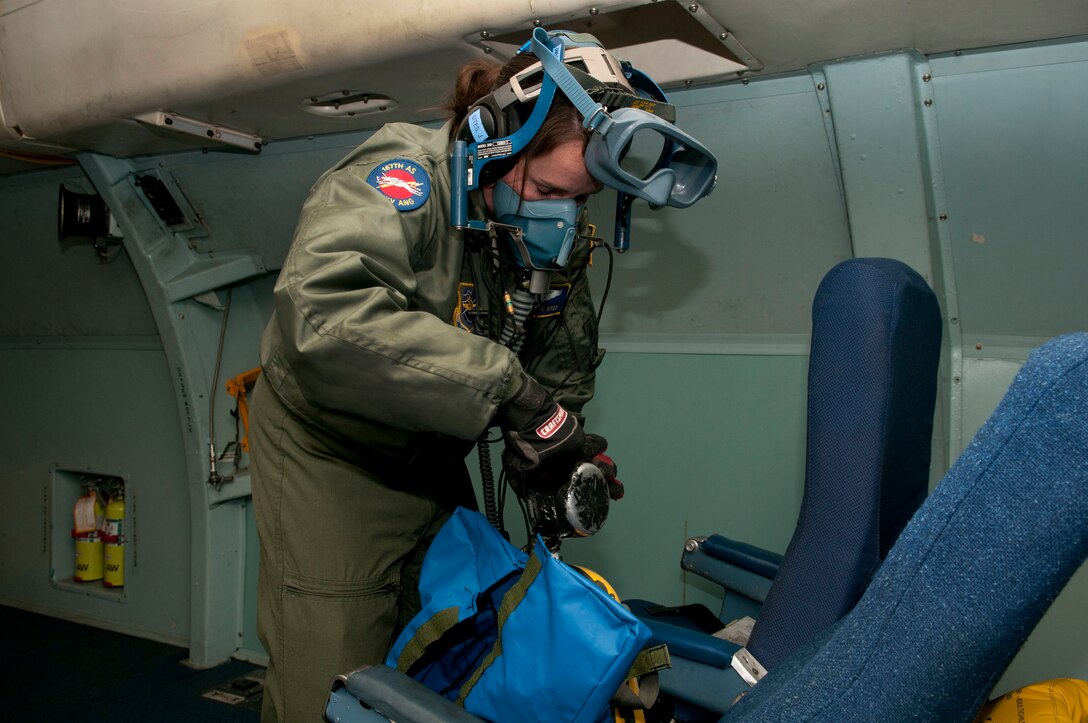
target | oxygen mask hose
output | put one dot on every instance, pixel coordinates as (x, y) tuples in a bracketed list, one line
[(518, 306)]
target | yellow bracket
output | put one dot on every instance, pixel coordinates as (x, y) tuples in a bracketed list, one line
[(239, 387)]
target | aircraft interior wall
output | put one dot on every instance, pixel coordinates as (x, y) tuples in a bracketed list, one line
[(968, 166)]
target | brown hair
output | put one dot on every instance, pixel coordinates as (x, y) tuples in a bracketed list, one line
[(477, 78)]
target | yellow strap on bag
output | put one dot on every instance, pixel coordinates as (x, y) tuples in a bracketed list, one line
[(1062, 700)]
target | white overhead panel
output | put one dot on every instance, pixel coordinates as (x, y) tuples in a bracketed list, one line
[(675, 43), (77, 75)]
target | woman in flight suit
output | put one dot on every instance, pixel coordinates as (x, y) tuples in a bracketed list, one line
[(390, 350)]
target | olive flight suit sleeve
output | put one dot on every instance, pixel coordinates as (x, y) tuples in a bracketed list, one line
[(363, 305)]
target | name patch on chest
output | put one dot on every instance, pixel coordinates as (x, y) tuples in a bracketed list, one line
[(553, 302), (467, 313), (404, 183)]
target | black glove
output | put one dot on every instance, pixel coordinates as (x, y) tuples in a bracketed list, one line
[(544, 442)]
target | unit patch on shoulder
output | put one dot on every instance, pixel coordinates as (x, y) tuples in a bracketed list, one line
[(404, 183)]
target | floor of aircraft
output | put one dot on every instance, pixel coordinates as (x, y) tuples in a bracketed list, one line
[(58, 670)]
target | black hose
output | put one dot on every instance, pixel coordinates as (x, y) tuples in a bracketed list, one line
[(487, 483)]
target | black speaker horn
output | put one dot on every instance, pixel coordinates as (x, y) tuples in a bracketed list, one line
[(82, 215)]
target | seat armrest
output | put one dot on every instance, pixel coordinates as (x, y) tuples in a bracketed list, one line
[(749, 557), (398, 697), (738, 567), (691, 644)]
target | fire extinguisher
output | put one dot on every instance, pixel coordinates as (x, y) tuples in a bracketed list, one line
[(113, 535), (88, 516)]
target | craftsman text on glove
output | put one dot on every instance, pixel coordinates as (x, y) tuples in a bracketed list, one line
[(552, 426)]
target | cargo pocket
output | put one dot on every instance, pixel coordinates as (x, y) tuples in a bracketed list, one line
[(333, 626)]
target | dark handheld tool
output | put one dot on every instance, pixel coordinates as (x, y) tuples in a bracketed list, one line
[(578, 508)]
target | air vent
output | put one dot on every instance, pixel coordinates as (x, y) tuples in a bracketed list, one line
[(168, 202)]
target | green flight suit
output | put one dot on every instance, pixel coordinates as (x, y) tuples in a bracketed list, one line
[(370, 399)]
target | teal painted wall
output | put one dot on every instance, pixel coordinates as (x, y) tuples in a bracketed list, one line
[(85, 389), (102, 407), (108, 367), (1014, 154), (705, 443)]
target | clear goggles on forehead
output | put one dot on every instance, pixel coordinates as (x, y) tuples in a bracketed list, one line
[(684, 172)]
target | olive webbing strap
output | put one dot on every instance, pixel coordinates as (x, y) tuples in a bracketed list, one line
[(650, 660), (643, 670), (427, 633), (509, 603)]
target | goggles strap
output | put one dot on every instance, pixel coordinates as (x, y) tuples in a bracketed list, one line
[(504, 97), (613, 99), (596, 117)]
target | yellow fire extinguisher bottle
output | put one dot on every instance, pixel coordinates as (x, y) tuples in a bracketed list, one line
[(90, 557), (114, 537), (89, 551)]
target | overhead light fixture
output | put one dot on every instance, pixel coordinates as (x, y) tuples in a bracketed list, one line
[(348, 103), (214, 133)]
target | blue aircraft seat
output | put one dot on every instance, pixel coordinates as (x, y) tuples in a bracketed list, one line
[(872, 384), (969, 578)]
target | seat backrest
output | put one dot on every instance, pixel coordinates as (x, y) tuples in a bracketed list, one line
[(872, 386)]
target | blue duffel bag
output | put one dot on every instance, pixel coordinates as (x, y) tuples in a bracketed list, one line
[(512, 636)]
